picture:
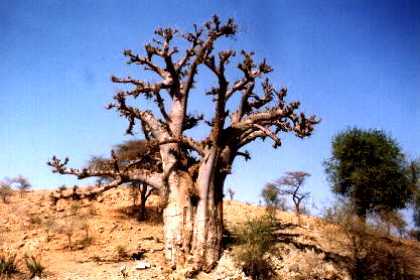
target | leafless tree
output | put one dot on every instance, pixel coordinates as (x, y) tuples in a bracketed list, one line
[(291, 185), (193, 171)]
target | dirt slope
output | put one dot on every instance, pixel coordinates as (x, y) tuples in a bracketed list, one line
[(104, 234)]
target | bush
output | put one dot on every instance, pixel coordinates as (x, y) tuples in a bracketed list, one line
[(8, 265), (68, 230), (271, 196), (75, 208), (33, 264), (374, 255), (256, 238), (121, 251), (34, 219), (5, 192)]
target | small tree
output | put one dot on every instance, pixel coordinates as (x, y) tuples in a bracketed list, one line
[(22, 184), (368, 167), (5, 191), (270, 195), (140, 191), (291, 185), (231, 193)]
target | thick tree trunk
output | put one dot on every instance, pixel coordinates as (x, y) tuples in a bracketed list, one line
[(194, 229), (178, 220), (142, 209), (208, 221)]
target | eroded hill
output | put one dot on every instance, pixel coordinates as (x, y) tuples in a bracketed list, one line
[(101, 240)]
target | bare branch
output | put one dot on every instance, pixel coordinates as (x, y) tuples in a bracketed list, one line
[(150, 123), (244, 154), (89, 194), (136, 59), (250, 71), (267, 132), (214, 31), (125, 175), (187, 141)]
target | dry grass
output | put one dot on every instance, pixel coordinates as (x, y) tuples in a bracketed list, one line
[(302, 248)]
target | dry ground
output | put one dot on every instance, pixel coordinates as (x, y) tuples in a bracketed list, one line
[(101, 231)]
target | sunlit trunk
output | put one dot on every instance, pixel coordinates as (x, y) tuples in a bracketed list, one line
[(193, 226), (208, 222)]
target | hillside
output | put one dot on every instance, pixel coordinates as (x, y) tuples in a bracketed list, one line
[(104, 234)]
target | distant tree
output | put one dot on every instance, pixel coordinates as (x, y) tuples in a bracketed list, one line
[(141, 192), (272, 199), (368, 167), (231, 193), (22, 184), (5, 190), (291, 185)]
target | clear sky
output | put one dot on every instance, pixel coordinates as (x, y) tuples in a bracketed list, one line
[(353, 63)]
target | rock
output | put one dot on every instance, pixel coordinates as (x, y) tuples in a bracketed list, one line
[(142, 265), (138, 255)]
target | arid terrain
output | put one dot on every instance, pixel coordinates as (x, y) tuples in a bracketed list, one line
[(105, 235)]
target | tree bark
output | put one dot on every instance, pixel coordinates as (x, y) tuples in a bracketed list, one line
[(178, 220), (193, 219), (143, 198), (208, 220)]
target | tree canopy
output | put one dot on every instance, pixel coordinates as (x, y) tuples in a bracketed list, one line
[(369, 168)]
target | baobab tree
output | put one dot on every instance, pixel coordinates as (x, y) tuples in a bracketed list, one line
[(193, 171)]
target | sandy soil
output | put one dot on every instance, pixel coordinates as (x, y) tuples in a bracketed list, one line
[(105, 233)]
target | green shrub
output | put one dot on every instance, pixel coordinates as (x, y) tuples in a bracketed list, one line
[(33, 264), (256, 237), (8, 265)]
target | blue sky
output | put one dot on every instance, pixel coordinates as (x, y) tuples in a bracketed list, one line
[(352, 63)]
